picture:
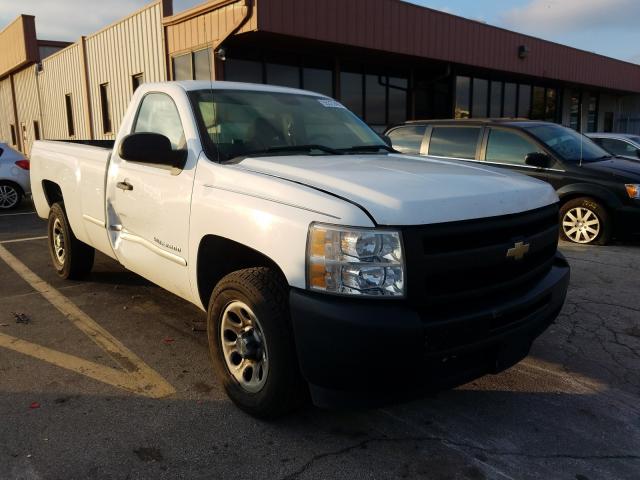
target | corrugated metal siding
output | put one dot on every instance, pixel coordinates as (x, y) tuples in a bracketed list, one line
[(207, 29), (398, 27), (26, 88), (115, 54), (6, 111), (18, 44), (62, 74)]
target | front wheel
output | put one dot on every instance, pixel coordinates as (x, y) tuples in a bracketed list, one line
[(251, 344), (71, 258), (585, 221)]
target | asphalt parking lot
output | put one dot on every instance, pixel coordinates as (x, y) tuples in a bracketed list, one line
[(107, 379)]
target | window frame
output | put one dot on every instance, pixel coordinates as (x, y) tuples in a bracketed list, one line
[(426, 144)]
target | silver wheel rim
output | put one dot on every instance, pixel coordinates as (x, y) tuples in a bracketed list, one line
[(581, 225), (244, 347), (8, 196), (57, 239)]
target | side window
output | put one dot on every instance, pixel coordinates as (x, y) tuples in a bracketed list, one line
[(508, 147), (617, 147), (158, 114), (455, 142), (408, 139)]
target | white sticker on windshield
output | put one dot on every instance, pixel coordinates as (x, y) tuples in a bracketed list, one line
[(327, 102)]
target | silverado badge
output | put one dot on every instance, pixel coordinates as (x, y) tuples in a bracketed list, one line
[(519, 250)]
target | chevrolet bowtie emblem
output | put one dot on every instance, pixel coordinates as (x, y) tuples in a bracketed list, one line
[(519, 250)]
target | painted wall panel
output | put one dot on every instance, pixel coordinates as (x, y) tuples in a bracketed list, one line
[(18, 44), (6, 110), (27, 103)]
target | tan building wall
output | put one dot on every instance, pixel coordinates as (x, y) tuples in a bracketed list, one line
[(6, 110), (115, 54), (62, 75), (19, 45), (27, 102)]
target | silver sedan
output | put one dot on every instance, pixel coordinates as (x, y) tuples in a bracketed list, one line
[(14, 177)]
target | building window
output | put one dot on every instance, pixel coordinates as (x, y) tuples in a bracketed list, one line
[(608, 122), (71, 130), (480, 98), (351, 92), (551, 105), (36, 130), (375, 100), (510, 100), (524, 101), (136, 81), (283, 75), (182, 67), (538, 104), (104, 108), (398, 88), (495, 100), (202, 65), (14, 138), (318, 80), (463, 97), (236, 70), (592, 113), (575, 112)]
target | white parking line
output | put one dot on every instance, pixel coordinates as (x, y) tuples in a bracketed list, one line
[(14, 214), (16, 240)]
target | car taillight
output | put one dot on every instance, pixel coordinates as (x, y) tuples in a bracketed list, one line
[(23, 164)]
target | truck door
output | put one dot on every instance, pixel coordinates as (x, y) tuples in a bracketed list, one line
[(148, 206)]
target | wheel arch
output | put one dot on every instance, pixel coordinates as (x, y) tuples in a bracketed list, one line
[(219, 256), (52, 192), (571, 192)]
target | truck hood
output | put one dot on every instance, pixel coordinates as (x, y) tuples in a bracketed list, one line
[(406, 190)]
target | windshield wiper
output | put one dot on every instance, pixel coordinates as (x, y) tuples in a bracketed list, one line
[(369, 148), (295, 148)]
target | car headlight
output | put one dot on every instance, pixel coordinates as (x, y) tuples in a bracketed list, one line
[(355, 261), (633, 191)]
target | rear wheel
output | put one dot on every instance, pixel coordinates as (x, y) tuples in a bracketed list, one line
[(585, 221), (251, 344), (10, 195), (71, 258)]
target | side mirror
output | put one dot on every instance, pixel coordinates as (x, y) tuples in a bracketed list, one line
[(538, 160), (153, 149)]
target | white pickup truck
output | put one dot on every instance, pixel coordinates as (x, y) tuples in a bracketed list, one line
[(327, 262)]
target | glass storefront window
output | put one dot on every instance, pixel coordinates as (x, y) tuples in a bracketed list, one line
[(236, 70), (375, 100), (182, 67), (202, 65), (495, 104), (509, 106), (551, 105), (524, 101), (318, 80), (397, 100), (351, 91), (463, 96), (575, 121), (480, 98), (538, 104), (283, 75), (592, 113)]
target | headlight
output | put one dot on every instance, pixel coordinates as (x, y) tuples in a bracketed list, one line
[(633, 191), (354, 261)]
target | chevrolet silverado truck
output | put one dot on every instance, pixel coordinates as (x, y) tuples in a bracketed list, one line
[(328, 263)]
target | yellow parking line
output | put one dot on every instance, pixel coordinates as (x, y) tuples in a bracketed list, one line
[(147, 379)]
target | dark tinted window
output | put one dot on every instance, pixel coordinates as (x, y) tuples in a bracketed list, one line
[(617, 147), (104, 108), (351, 91), (408, 139), (136, 81), (71, 128), (463, 96), (318, 80), (510, 90), (456, 142), (538, 105), (182, 67), (551, 105), (236, 70), (397, 99), (508, 147), (376, 100), (202, 65), (524, 101), (592, 113), (495, 105), (480, 97), (567, 143), (283, 75)]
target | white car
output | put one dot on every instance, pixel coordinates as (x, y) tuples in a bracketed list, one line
[(618, 144), (325, 260), (14, 177)]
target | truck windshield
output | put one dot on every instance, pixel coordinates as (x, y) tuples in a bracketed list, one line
[(239, 123), (567, 143)]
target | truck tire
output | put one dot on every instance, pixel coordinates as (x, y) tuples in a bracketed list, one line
[(71, 258), (251, 343), (10, 195), (585, 220)]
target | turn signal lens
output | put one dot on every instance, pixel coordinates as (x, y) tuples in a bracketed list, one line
[(23, 164), (354, 261), (633, 191)]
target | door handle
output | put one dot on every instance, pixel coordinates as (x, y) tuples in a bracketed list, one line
[(125, 186)]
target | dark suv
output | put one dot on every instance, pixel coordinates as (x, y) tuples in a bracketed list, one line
[(599, 193)]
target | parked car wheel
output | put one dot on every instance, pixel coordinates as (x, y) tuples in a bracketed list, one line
[(10, 195), (251, 343), (584, 220), (71, 258)]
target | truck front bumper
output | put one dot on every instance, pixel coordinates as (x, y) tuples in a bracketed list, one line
[(356, 352)]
